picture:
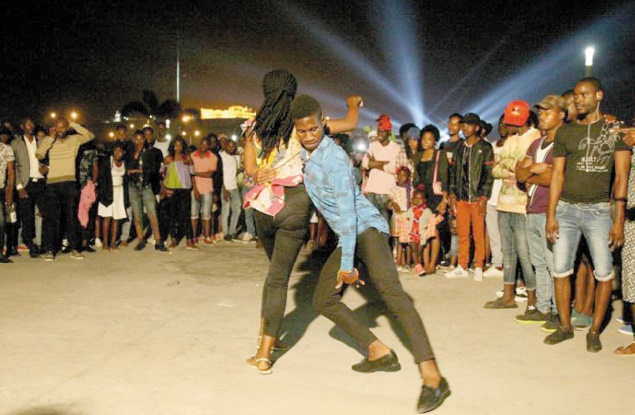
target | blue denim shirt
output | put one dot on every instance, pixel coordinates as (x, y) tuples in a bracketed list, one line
[(330, 183)]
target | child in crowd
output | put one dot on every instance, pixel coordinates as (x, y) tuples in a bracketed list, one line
[(399, 203), (454, 244), (418, 218), (112, 194)]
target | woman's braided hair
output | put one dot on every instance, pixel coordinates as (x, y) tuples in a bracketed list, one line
[(273, 119)]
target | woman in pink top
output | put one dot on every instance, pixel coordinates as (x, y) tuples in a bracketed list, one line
[(205, 164)]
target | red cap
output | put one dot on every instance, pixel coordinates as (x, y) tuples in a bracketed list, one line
[(383, 123), (516, 113)]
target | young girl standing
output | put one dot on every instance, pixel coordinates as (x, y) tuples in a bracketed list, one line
[(112, 194), (418, 217), (399, 203)]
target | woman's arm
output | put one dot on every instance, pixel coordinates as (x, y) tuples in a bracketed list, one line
[(350, 120)]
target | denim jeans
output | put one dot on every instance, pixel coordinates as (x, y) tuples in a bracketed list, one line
[(282, 237), (374, 251), (230, 212), (142, 199), (491, 222), (379, 201), (202, 207), (594, 222), (513, 231), (249, 214), (541, 253)]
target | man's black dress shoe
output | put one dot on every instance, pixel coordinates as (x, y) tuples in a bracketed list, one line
[(388, 363), (430, 399)]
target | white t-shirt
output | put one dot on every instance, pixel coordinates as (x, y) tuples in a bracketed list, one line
[(163, 147), (230, 170)]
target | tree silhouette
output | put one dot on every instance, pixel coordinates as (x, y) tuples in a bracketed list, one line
[(150, 107)]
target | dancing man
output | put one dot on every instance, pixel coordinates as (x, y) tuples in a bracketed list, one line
[(363, 234)]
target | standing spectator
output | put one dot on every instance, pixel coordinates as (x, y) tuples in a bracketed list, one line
[(61, 191), (144, 186), (512, 207), (586, 155), (381, 161), (161, 140), (534, 171), (112, 194), (177, 168), (431, 169), (7, 175), (491, 218), (470, 186), (30, 183), (205, 164), (231, 204)]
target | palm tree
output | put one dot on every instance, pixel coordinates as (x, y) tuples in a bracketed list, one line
[(150, 107)]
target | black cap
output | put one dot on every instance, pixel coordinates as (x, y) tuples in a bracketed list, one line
[(471, 118)]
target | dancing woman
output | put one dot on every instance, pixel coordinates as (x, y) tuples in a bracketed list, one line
[(281, 205)]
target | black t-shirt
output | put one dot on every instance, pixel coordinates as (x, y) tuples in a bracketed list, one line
[(590, 153)]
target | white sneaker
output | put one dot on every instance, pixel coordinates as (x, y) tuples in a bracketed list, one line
[(246, 237), (98, 243), (457, 272), (493, 272), (151, 240), (478, 274)]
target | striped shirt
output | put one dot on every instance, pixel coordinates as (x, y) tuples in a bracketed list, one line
[(62, 154)]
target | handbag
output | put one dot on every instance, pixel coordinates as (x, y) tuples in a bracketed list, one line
[(437, 187)]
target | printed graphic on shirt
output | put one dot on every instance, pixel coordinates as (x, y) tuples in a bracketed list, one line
[(599, 151)]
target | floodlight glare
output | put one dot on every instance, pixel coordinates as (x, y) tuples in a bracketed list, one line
[(588, 53)]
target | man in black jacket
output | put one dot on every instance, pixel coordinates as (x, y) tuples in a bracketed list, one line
[(470, 186)]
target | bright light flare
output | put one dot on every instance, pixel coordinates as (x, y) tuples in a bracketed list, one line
[(588, 53)]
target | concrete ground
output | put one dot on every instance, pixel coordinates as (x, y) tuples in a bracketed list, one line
[(132, 333)]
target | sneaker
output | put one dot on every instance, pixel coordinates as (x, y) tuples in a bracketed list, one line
[(478, 274), (48, 256), (430, 399), (626, 329), (552, 323), (161, 247), (622, 321), (519, 298), (558, 336), (98, 243), (228, 238), (419, 270), (582, 322), (457, 272), (140, 245), (494, 272), (75, 254), (531, 316), (151, 240), (247, 237), (445, 264), (593, 344)]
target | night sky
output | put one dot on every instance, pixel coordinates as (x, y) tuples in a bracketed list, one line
[(416, 60)]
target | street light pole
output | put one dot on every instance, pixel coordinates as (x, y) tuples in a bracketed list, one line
[(588, 64)]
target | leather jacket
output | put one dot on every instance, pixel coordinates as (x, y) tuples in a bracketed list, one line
[(480, 159)]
